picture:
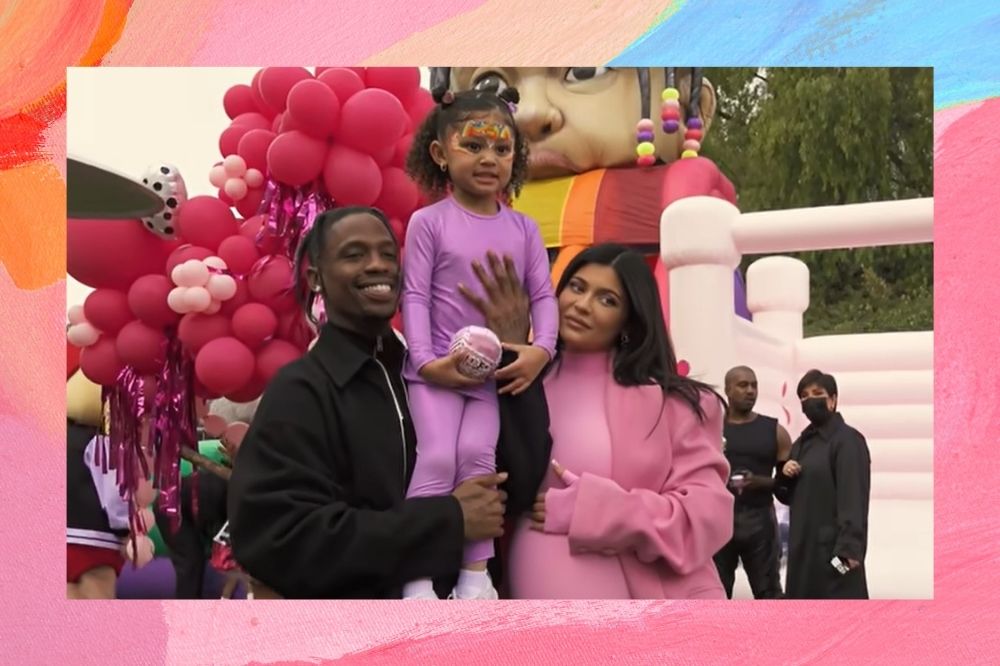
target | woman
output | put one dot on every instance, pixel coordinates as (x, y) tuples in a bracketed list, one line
[(650, 505), (317, 498)]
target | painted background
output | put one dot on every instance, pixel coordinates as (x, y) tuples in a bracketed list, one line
[(40, 38)]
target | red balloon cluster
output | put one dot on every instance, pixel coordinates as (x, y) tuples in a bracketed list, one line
[(346, 130)]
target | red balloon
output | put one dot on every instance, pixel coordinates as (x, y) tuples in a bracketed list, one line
[(276, 123), (361, 72), (371, 120), (342, 81), (184, 253), (266, 246), (400, 81), (398, 229), (250, 204), (250, 226), (253, 148), (225, 198), (254, 324), (273, 356), (287, 123), (252, 121), (352, 178), (295, 158), (107, 310), (100, 362), (205, 221), (224, 365), (258, 99), (90, 244), (239, 299), (399, 194), (402, 151), (271, 282), (238, 100), (248, 393), (141, 346), (147, 298), (276, 82), (229, 140), (196, 329), (314, 108), (203, 392), (419, 105), (239, 253), (293, 327), (383, 156)]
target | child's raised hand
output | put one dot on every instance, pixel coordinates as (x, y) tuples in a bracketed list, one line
[(530, 362), (444, 372)]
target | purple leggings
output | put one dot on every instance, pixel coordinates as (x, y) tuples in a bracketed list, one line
[(456, 440)]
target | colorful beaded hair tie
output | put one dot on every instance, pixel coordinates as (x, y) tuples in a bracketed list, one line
[(670, 115)]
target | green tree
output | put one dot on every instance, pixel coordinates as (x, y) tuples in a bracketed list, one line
[(798, 137)]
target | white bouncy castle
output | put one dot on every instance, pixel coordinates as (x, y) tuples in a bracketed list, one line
[(885, 379)]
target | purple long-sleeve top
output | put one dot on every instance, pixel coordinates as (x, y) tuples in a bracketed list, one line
[(442, 240)]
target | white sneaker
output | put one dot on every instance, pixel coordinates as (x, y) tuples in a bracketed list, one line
[(487, 593), (421, 596)]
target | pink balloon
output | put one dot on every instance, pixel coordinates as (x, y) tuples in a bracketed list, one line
[(251, 226), (100, 362), (221, 287), (250, 391), (295, 158), (352, 178), (205, 221), (342, 81), (383, 156), (371, 120), (399, 194), (420, 104), (224, 365), (270, 283), (213, 307), (240, 298), (147, 298), (292, 327), (197, 299), (249, 205), (142, 347), (144, 493), (147, 519), (75, 315), (252, 121), (253, 178), (398, 229), (276, 123), (107, 310), (254, 324), (402, 82), (238, 100), (82, 335), (225, 198), (217, 176), (185, 252), (253, 149), (239, 253), (177, 300), (314, 108), (197, 329), (141, 553), (276, 82), (229, 140), (402, 151), (90, 244), (258, 99), (236, 188), (273, 356), (234, 166)]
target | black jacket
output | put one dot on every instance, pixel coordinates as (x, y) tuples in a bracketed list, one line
[(317, 499)]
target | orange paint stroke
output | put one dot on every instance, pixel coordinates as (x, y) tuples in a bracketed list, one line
[(33, 225)]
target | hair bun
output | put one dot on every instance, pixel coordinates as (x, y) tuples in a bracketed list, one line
[(510, 94), (438, 93)]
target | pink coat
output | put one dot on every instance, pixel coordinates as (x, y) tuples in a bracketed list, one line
[(665, 511)]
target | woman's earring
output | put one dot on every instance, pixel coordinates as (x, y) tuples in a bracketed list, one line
[(317, 289), (624, 339), (444, 166)]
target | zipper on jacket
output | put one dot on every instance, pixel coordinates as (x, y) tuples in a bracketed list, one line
[(395, 401)]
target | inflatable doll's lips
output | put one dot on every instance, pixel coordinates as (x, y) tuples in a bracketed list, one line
[(550, 159)]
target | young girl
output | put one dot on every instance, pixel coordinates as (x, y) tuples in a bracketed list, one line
[(469, 151)]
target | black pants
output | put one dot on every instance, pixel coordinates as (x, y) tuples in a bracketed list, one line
[(755, 542)]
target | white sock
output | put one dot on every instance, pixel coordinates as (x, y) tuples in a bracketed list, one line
[(471, 583), (422, 587)]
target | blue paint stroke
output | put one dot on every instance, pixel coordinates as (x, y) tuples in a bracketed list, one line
[(960, 39)]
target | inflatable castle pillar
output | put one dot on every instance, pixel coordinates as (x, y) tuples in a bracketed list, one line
[(698, 251), (778, 295)]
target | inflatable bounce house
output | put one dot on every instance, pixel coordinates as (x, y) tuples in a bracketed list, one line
[(198, 303)]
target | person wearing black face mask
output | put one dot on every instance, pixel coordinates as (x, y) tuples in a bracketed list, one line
[(826, 483)]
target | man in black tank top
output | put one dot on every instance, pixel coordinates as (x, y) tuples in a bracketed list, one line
[(755, 445)]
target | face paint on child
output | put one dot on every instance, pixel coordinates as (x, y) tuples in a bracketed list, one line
[(475, 134)]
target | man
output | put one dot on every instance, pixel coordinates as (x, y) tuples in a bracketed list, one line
[(826, 483), (755, 446)]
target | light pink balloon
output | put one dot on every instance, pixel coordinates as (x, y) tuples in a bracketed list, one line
[(236, 188), (192, 273), (215, 262), (82, 334), (234, 166), (221, 287), (177, 300), (147, 518), (75, 314), (214, 307), (141, 553), (253, 178), (144, 493), (217, 176), (198, 299)]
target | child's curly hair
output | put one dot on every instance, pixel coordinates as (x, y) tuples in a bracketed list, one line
[(453, 108)]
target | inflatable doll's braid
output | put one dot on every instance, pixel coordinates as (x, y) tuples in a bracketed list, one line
[(693, 133), (670, 115)]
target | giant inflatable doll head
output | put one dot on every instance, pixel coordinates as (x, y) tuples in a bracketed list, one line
[(578, 119)]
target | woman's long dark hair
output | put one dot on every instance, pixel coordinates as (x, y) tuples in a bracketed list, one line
[(648, 355)]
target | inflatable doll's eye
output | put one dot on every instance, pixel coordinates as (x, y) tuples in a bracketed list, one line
[(581, 74), (490, 81)]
